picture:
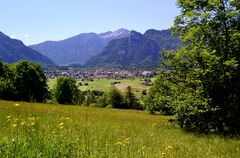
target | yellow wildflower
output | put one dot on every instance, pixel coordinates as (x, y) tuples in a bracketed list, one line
[(119, 143), (14, 125), (163, 154), (170, 147), (23, 123), (17, 104), (61, 124), (32, 118), (31, 121)]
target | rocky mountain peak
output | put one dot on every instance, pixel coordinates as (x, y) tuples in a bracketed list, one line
[(120, 33)]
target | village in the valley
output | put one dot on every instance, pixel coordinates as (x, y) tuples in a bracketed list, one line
[(98, 74)]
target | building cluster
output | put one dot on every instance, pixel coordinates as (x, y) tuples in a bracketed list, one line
[(91, 74)]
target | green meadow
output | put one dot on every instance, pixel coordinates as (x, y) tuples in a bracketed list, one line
[(105, 85), (47, 130)]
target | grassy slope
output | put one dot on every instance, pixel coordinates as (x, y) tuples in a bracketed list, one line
[(56, 131)]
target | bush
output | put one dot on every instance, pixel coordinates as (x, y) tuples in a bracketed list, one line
[(98, 93), (90, 98), (102, 101)]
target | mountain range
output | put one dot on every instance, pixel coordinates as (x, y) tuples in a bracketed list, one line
[(78, 49), (136, 50), (13, 50), (121, 49)]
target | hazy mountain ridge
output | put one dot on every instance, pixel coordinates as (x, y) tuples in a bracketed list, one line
[(78, 49), (13, 50)]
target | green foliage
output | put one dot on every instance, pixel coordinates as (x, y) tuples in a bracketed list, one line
[(116, 99), (23, 81), (90, 98), (78, 97), (30, 81), (130, 99), (201, 81), (66, 91), (7, 89), (102, 101)]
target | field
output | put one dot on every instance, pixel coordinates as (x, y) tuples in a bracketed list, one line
[(105, 84), (42, 130)]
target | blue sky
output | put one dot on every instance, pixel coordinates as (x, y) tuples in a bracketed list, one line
[(34, 21)]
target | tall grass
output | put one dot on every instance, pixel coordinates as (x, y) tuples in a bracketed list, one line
[(40, 130)]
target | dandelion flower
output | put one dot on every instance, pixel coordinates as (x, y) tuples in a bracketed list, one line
[(32, 118), (32, 123), (163, 154), (14, 125), (119, 143), (61, 124), (23, 123), (170, 147), (17, 104)]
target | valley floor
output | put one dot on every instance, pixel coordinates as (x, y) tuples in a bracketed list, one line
[(45, 130)]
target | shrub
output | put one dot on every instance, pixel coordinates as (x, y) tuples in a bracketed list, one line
[(90, 98), (102, 101)]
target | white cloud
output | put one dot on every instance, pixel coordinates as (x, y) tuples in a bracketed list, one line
[(12, 36), (26, 35)]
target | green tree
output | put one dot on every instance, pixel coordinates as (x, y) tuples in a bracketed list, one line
[(1, 68), (7, 89), (211, 28), (201, 80), (116, 99), (66, 91), (130, 99), (30, 81)]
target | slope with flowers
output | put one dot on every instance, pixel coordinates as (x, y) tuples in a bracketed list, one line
[(42, 130)]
